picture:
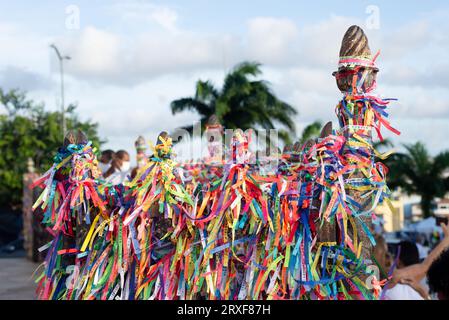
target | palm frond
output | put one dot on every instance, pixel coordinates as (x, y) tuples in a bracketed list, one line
[(247, 68), (440, 163), (311, 131), (205, 91), (184, 104), (419, 155)]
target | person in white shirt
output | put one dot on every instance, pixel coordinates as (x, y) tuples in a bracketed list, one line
[(120, 169), (435, 266), (423, 251), (403, 292), (409, 255), (105, 160)]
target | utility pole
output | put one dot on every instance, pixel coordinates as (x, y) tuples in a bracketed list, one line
[(61, 59)]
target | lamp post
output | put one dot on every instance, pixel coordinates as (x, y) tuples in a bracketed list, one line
[(61, 59)]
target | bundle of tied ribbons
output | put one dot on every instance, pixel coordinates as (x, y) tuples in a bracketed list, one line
[(229, 231)]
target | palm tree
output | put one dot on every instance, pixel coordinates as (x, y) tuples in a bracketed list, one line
[(311, 131), (418, 173), (242, 103)]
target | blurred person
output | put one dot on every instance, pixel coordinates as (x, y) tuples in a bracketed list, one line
[(422, 249), (382, 259), (409, 254), (417, 272), (414, 290), (105, 160), (133, 173), (378, 228), (120, 168), (435, 238), (382, 256), (141, 148), (438, 276)]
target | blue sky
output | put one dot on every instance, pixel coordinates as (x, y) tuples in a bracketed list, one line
[(131, 58)]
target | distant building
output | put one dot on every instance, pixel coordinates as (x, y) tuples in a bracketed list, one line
[(409, 210), (392, 221), (411, 213), (417, 214), (442, 209)]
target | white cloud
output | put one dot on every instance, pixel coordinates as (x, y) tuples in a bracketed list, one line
[(93, 53), (157, 54), (23, 48), (109, 58), (407, 40), (431, 131), (165, 17), (12, 77), (271, 40), (132, 59), (311, 90), (417, 102), (320, 42), (142, 13)]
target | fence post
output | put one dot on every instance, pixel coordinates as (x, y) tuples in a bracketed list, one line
[(27, 212)]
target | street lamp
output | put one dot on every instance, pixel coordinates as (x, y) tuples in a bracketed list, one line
[(61, 67)]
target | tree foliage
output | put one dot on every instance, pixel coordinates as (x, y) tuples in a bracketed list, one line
[(242, 103), (27, 130), (311, 131), (417, 172)]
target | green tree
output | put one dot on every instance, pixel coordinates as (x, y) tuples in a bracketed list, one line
[(416, 172), (311, 131), (243, 102), (27, 130)]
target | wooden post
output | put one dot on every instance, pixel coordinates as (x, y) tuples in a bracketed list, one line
[(356, 76), (328, 231), (34, 233)]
